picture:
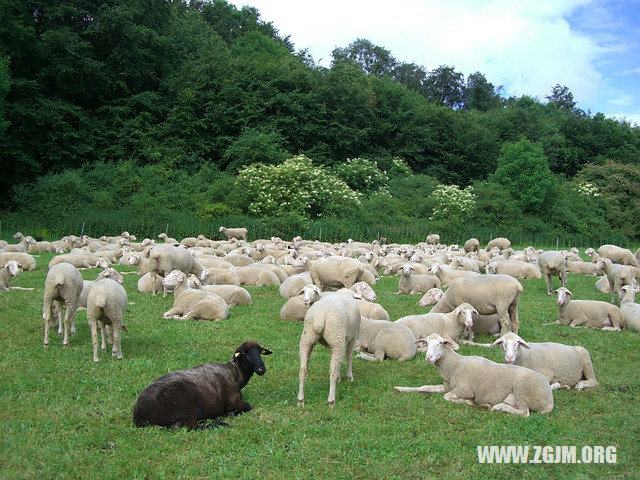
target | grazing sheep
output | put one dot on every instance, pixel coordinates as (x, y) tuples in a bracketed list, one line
[(500, 242), (587, 313), (488, 294), (292, 285), (231, 294), (414, 284), (10, 270), (432, 297), (88, 284), (192, 303), (514, 268), (385, 340), (336, 272), (27, 261), (616, 254), (62, 287), (433, 239), (187, 398), (449, 325), (446, 274), (106, 304), (552, 263), (617, 276), (238, 233), (167, 239), (334, 320), (629, 308), (477, 380), (563, 366), (471, 245)]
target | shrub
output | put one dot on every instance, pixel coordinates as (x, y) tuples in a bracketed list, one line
[(362, 175), (452, 201), (255, 145)]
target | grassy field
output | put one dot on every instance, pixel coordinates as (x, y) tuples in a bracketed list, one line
[(62, 416)]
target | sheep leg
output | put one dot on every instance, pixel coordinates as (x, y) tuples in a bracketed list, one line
[(103, 345), (116, 350), (582, 384), (70, 311), (548, 281), (306, 346), (109, 329), (46, 316), (422, 389), (513, 317), (587, 370), (503, 318), (58, 310), (94, 339), (190, 314), (350, 346), (509, 405), (367, 357), (153, 283), (171, 312), (452, 397), (21, 288), (337, 355)]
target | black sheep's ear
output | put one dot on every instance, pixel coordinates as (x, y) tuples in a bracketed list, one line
[(236, 355), (264, 351)]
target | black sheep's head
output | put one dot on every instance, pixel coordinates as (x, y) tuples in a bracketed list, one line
[(248, 356)]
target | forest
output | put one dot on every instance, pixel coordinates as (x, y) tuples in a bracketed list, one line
[(142, 113)]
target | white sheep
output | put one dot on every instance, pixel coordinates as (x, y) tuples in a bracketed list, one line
[(106, 304), (587, 313), (476, 380), (88, 284), (27, 261), (163, 259), (583, 268), (471, 245), (192, 303), (446, 274), (563, 366), (219, 276), (433, 239), (500, 243), (629, 308), (22, 246), (231, 294), (293, 284), (10, 270), (256, 276), (488, 294), (617, 275), (62, 287), (592, 254), (385, 339), (145, 284), (514, 268), (414, 284), (167, 239), (336, 272), (449, 325), (238, 233), (80, 260), (432, 297), (552, 263), (619, 255), (334, 320)]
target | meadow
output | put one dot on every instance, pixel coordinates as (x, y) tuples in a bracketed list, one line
[(62, 416)]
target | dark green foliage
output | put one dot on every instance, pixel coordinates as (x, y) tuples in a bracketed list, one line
[(253, 146)]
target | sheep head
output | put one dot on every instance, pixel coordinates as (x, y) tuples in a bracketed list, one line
[(435, 346), (511, 343)]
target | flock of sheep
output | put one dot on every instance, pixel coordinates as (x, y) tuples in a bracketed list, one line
[(329, 287)]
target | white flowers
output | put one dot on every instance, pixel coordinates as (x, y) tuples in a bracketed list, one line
[(451, 200), (587, 189)]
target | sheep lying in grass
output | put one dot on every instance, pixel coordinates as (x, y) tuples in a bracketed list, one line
[(414, 284), (231, 294), (583, 268), (106, 304), (432, 297), (27, 261), (334, 320), (629, 308), (385, 340), (62, 287), (562, 365), (587, 313), (22, 246), (552, 263), (80, 260), (187, 398), (476, 380), (616, 254), (446, 274), (10, 270), (145, 284), (163, 259), (514, 268), (192, 303), (169, 240), (219, 276), (449, 325), (292, 285)]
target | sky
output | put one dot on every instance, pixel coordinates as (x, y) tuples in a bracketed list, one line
[(527, 46)]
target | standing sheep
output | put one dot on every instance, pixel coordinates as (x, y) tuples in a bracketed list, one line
[(563, 366), (336, 272), (471, 245), (88, 284), (333, 320), (500, 242), (617, 275), (106, 304), (238, 233), (629, 308), (187, 398), (62, 286), (476, 380), (552, 263), (433, 239)]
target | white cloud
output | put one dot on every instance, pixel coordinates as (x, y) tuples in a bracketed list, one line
[(631, 71), (623, 100), (526, 45), (633, 118)]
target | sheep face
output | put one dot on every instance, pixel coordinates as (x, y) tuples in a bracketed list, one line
[(113, 274), (102, 263), (464, 313), (310, 294), (134, 260), (511, 344), (248, 357), (564, 295), (362, 291), (175, 278), (13, 267), (432, 297), (625, 289), (435, 346), (406, 270), (269, 259), (193, 282)]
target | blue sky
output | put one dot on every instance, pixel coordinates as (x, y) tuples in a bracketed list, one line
[(592, 46)]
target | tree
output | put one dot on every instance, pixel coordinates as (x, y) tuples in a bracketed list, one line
[(524, 171), (412, 76), (373, 60), (562, 98), (480, 94), (255, 145), (444, 86)]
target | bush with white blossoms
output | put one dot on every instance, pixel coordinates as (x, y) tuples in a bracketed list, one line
[(452, 201), (587, 189), (362, 175), (295, 186)]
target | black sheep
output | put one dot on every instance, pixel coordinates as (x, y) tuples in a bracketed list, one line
[(189, 397)]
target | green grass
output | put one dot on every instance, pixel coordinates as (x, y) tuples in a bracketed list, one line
[(62, 416)]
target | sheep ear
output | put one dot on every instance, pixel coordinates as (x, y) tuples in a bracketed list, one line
[(264, 351), (499, 341), (524, 344), (451, 344), (554, 292), (421, 342)]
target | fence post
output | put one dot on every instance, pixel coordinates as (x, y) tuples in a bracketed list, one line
[(557, 242), (82, 230), (166, 230), (320, 239)]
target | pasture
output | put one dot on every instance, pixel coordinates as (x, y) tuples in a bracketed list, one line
[(62, 416)]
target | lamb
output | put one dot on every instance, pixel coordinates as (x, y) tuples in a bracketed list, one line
[(88, 284), (192, 303), (552, 263), (256, 276), (335, 321), (292, 285), (22, 246), (447, 275), (449, 325), (63, 285), (619, 255), (500, 242), (415, 284), (488, 294), (385, 340), (563, 366), (587, 313), (336, 272), (476, 380), (239, 233), (231, 294), (617, 275), (629, 308), (169, 240), (10, 270), (433, 239), (106, 304), (190, 397), (471, 245), (515, 269)]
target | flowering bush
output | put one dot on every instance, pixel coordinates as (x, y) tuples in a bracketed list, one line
[(452, 201), (362, 175), (295, 186), (587, 189)]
